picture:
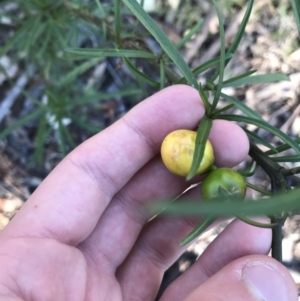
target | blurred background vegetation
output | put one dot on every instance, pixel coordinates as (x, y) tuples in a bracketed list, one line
[(52, 100)]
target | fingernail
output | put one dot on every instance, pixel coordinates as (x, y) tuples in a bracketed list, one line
[(265, 282)]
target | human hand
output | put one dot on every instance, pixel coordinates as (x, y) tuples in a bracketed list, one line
[(83, 234)]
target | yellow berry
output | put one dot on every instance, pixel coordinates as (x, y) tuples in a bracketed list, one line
[(177, 151)]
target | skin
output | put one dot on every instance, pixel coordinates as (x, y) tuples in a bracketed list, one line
[(83, 235), (177, 151)]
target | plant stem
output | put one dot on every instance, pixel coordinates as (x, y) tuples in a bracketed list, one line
[(272, 168), (274, 171), (256, 224), (259, 189), (277, 240), (292, 171), (202, 226)]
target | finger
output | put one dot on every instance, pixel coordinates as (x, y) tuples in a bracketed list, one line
[(123, 220), (155, 250), (251, 278), (229, 140), (68, 204), (237, 240)]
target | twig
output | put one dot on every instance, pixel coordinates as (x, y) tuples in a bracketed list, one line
[(15, 92)]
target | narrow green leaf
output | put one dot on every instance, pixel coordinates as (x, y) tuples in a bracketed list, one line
[(256, 224), (241, 106), (171, 75), (260, 140), (296, 9), (81, 53), (199, 229), (97, 97), (264, 125), (258, 79), (162, 74), (222, 58), (117, 20), (82, 68), (16, 37), (40, 139), (210, 85), (59, 36), (250, 170), (285, 202), (223, 109), (68, 135), (238, 37), (83, 122), (233, 79), (142, 76), (259, 189), (190, 34), (205, 66), (100, 7), (35, 32), (200, 143), (163, 40), (208, 64), (61, 140), (292, 158), (46, 40), (281, 148), (36, 114), (204, 98)]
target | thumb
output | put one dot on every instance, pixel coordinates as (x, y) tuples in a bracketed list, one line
[(251, 278)]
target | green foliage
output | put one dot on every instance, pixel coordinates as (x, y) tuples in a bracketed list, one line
[(41, 33), (202, 135), (102, 53), (190, 34), (169, 48), (260, 140), (263, 125), (284, 202), (66, 40), (248, 79)]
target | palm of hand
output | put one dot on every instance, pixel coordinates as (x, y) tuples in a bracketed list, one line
[(83, 235), (44, 269)]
